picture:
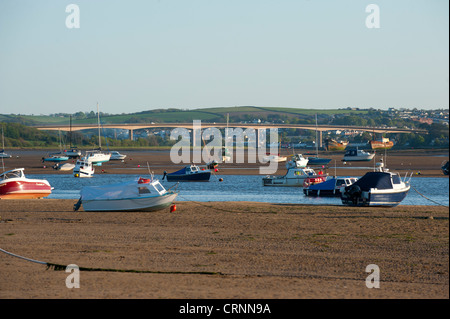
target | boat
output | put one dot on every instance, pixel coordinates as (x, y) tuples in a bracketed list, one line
[(190, 173), (64, 167), (445, 168), (98, 157), (297, 161), (15, 185), (296, 174), (4, 155), (330, 187), (116, 156), (2, 152), (378, 188), (357, 155), (55, 158), (274, 158), (316, 160), (333, 145), (137, 195), (384, 143), (72, 152), (83, 168)]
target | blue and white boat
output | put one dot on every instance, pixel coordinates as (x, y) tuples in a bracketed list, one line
[(55, 158), (330, 188), (381, 188), (190, 173)]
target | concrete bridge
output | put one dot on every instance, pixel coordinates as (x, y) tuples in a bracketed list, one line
[(320, 128)]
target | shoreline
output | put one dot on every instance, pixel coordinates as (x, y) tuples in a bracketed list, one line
[(230, 250), (427, 163)]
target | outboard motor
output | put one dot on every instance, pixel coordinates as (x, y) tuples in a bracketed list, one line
[(164, 175)]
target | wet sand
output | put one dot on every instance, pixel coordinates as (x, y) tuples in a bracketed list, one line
[(225, 250), (419, 162)]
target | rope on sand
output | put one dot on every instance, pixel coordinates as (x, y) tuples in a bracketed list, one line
[(427, 197), (58, 267)]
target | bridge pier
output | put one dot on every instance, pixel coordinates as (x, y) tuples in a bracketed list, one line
[(131, 134)]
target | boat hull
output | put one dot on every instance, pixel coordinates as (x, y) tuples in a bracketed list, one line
[(318, 161), (24, 190), (197, 177), (385, 198), (146, 204), (358, 159)]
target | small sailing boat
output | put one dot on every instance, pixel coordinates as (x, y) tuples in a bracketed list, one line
[(56, 157), (2, 151), (97, 157), (73, 152)]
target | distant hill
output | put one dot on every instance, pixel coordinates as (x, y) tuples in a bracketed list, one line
[(236, 114)]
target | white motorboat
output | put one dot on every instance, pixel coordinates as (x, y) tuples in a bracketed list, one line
[(83, 168), (115, 156), (297, 161), (274, 158), (295, 177), (138, 195), (64, 167), (378, 188), (14, 185), (357, 155)]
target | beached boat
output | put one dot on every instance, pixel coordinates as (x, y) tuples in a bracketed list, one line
[(384, 143), (116, 156), (72, 153), (297, 161), (4, 155), (333, 145), (137, 195), (97, 157), (83, 168), (55, 158), (357, 155), (330, 187), (190, 173), (14, 185), (381, 188), (274, 158), (64, 167)]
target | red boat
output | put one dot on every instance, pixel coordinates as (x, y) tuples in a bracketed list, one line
[(14, 185)]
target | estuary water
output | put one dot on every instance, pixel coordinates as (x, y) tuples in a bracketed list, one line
[(424, 190)]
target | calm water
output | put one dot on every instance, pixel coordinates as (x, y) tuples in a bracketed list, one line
[(243, 188)]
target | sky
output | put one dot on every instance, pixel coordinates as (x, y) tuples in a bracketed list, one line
[(137, 55)]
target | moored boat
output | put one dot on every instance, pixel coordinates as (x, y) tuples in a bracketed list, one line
[(55, 158), (357, 155), (384, 143), (138, 195), (330, 187), (15, 185), (190, 173), (294, 177), (381, 188), (116, 156)]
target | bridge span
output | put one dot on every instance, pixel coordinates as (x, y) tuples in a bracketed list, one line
[(136, 126)]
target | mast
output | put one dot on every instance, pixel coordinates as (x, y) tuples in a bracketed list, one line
[(70, 132), (98, 122), (317, 144)]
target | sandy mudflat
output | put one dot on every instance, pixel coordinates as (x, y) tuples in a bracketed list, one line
[(254, 250)]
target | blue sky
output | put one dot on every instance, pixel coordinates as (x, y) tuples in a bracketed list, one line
[(135, 55)]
